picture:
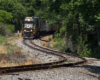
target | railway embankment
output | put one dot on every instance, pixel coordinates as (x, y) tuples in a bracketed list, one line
[(12, 55), (92, 66), (89, 71), (34, 54)]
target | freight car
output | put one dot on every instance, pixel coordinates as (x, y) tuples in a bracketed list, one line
[(32, 27)]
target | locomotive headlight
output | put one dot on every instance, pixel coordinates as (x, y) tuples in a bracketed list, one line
[(24, 30), (28, 19), (31, 30)]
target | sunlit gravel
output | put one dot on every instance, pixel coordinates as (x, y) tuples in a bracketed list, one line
[(64, 73), (89, 71)]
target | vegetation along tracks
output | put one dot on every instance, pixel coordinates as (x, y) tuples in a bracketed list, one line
[(55, 64)]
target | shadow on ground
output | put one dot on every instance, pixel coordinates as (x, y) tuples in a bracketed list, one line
[(91, 68)]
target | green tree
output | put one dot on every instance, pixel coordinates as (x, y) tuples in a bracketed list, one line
[(5, 17)]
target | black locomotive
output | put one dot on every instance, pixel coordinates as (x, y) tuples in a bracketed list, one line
[(32, 27)]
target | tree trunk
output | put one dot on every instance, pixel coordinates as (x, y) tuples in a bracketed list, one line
[(98, 36)]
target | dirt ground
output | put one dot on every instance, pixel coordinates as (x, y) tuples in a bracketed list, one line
[(47, 41)]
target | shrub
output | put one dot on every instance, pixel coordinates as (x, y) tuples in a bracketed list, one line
[(10, 28), (2, 38), (86, 51), (5, 17), (60, 44), (6, 29)]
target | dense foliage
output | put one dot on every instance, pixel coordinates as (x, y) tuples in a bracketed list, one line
[(79, 21)]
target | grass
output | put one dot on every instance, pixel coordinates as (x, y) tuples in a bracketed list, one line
[(28, 51), (2, 39), (13, 48)]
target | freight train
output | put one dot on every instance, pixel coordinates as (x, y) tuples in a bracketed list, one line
[(32, 27)]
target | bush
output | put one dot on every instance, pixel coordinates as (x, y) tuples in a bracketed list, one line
[(6, 30), (60, 44), (10, 28), (58, 38), (96, 52), (2, 29), (2, 38), (86, 51), (5, 17)]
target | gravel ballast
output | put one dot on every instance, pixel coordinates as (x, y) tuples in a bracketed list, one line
[(64, 73), (34, 54), (90, 71)]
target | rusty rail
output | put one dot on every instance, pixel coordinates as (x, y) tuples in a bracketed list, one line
[(72, 55), (60, 63)]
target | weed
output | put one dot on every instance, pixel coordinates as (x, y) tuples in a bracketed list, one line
[(49, 38), (12, 50), (43, 44), (28, 51), (36, 56), (2, 38), (55, 64), (48, 45)]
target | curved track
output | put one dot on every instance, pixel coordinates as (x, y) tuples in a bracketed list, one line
[(83, 60), (55, 64)]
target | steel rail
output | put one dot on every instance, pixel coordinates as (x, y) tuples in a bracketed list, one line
[(5, 70), (56, 64), (72, 55)]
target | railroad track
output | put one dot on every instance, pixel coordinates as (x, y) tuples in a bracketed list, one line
[(56, 64), (64, 54), (83, 60)]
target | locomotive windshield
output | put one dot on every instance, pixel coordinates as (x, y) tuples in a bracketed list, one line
[(28, 25)]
